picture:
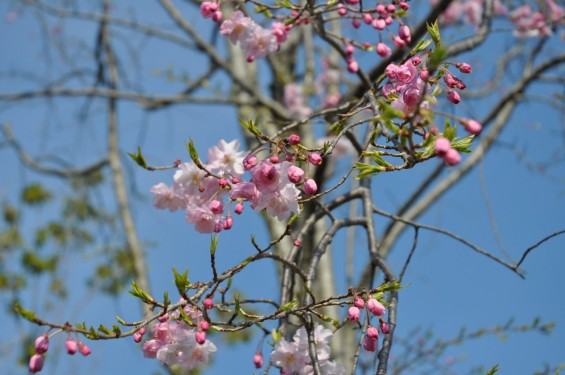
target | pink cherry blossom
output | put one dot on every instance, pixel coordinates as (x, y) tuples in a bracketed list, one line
[(375, 307), (310, 186), (353, 314), (237, 26)]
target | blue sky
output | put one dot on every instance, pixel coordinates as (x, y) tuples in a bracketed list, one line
[(450, 286)]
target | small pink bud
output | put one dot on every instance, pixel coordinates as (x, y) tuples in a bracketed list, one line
[(433, 130), (249, 162), (356, 23), (41, 344), (349, 49), (84, 350), (217, 16), (388, 20), (375, 307), (452, 157), (204, 325), (163, 318), (367, 18), (404, 33), (295, 174), (450, 80), (404, 5), (35, 363), (390, 8), (370, 344), (235, 180), (424, 74), (358, 302), (353, 314), (238, 209), (464, 68), (416, 61), (381, 10), (200, 337), (228, 222), (216, 207), (314, 158), (353, 67), (373, 332), (385, 328), (137, 337), (460, 85), (250, 58), (379, 24), (208, 303), (442, 145), (258, 360), (293, 139), (341, 10), (296, 243), (310, 187), (274, 159), (71, 346), (383, 50), (352, 2), (453, 96), (398, 42), (472, 126), (222, 182)]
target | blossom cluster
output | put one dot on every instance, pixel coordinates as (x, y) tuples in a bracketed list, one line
[(201, 190), (294, 358), (407, 85), (41, 347), (255, 40), (530, 23), (376, 308), (176, 343)]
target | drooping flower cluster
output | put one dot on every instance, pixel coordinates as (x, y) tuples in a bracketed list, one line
[(41, 347), (294, 357), (376, 308), (255, 40), (530, 23), (175, 343)]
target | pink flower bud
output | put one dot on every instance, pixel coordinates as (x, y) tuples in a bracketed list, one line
[(228, 222), (353, 314), (464, 68), (416, 61), (258, 360), (370, 344), (367, 18), (472, 126), (238, 209), (84, 350), (356, 23), (216, 207), (341, 10), (293, 139), (200, 337), (452, 157), (35, 363), (424, 74), (137, 337), (442, 145), (398, 42), (352, 2), (385, 328), (71, 346), (296, 243), (383, 50), (222, 182), (390, 8), (375, 307), (450, 80), (235, 180), (381, 10), (404, 33), (204, 325), (249, 162), (218, 227), (41, 344), (379, 24), (310, 187), (295, 174), (358, 302), (388, 20), (208, 303), (274, 159), (217, 16), (163, 318), (314, 158), (404, 5), (373, 332), (453, 96), (349, 49)]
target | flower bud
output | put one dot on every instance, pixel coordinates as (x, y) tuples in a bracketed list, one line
[(358, 302), (208, 303), (216, 207), (35, 363), (453, 96), (442, 145), (383, 50), (295, 174), (341, 10), (452, 157), (137, 337), (41, 344), (296, 243), (353, 67), (84, 350), (370, 344), (375, 307), (249, 162), (315, 159), (71, 346), (293, 139), (204, 325), (310, 187), (258, 360), (464, 68), (200, 337), (385, 328), (472, 126), (379, 24), (238, 209), (367, 18), (373, 332), (404, 33), (274, 159), (228, 222), (353, 314)]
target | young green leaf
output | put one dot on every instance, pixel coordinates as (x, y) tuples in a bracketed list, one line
[(138, 158)]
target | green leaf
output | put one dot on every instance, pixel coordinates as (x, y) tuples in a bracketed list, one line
[(138, 158), (462, 145), (287, 306), (120, 320), (116, 330), (213, 245), (377, 158), (433, 30), (277, 335), (103, 329), (136, 291), (251, 126), (367, 170), (422, 45), (437, 56), (35, 194), (26, 314), (192, 151), (184, 317), (388, 112), (181, 281), (494, 369)]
